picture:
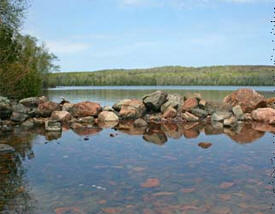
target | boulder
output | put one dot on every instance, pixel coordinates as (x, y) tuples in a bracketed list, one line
[(18, 117), (107, 116), (118, 105), (248, 99), (61, 116), (85, 109), (53, 126), (5, 148), (132, 109), (20, 108), (108, 108), (45, 109), (264, 115), (33, 102), (140, 123), (199, 112), (173, 100), (238, 112), (189, 117), (154, 101), (5, 111), (189, 104), (67, 107), (220, 116), (170, 112)]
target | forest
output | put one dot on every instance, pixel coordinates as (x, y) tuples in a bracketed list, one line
[(24, 62), (169, 75)]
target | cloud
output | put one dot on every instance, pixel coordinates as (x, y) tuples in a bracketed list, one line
[(66, 47)]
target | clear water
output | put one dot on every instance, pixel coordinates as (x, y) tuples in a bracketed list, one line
[(90, 172)]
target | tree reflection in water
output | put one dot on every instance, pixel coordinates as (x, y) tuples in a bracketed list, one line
[(14, 196)]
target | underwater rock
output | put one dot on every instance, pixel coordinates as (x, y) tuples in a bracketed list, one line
[(150, 183), (205, 145)]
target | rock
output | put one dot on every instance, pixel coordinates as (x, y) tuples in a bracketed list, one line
[(220, 116), (5, 148), (247, 117), (170, 113), (199, 112), (202, 103), (118, 105), (248, 99), (53, 135), (20, 108), (107, 116), (132, 109), (150, 183), (140, 123), (85, 109), (189, 117), (154, 101), (88, 120), (270, 102), (212, 107), (189, 104), (18, 117), (33, 102), (39, 121), (158, 137), (230, 122), (226, 185), (264, 115), (5, 111), (205, 145), (45, 109), (28, 124), (173, 100), (108, 108), (4, 100), (53, 126), (67, 107), (238, 112), (107, 124), (61, 116)]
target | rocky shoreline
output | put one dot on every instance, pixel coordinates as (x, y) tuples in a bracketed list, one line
[(241, 108)]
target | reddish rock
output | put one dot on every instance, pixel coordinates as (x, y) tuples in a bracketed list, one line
[(132, 109), (61, 116), (205, 145), (189, 104), (151, 182), (248, 99), (85, 109), (45, 109), (72, 210), (226, 185), (266, 115), (170, 113)]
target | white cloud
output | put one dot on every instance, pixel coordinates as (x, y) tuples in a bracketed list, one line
[(66, 47)]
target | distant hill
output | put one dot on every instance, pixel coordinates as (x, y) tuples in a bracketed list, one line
[(169, 75)]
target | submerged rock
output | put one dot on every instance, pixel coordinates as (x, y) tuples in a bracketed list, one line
[(205, 145), (154, 101), (108, 116), (84, 109), (150, 183), (53, 126), (247, 98), (264, 115)]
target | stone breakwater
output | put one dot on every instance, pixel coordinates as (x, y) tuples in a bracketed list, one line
[(240, 107)]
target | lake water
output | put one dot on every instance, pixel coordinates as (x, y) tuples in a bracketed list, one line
[(156, 171)]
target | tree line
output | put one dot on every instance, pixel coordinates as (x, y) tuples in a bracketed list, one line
[(24, 63), (169, 75)]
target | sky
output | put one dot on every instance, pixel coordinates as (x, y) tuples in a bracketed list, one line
[(88, 35)]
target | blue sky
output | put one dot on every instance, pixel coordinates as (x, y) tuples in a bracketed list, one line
[(90, 35)]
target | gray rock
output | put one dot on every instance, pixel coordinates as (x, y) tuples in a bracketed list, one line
[(33, 102), (28, 124), (140, 123), (220, 116), (4, 148), (238, 112), (154, 101), (20, 108), (230, 122), (199, 112), (173, 100), (53, 126), (18, 117)]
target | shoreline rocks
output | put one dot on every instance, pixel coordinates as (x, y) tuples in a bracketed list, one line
[(241, 106)]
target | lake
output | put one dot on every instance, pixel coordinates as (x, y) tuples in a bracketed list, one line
[(130, 171)]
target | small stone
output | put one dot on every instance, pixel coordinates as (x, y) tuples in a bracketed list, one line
[(53, 126), (28, 124), (220, 116), (205, 145), (150, 183), (238, 112), (230, 122), (199, 112), (226, 185)]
